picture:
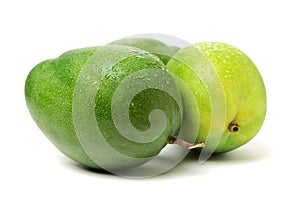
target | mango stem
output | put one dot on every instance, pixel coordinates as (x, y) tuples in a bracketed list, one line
[(184, 144)]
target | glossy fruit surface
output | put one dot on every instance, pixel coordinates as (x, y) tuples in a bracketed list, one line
[(51, 88), (243, 94)]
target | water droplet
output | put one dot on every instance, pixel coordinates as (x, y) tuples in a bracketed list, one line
[(138, 56), (142, 76)]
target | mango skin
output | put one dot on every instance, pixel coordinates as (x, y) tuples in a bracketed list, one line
[(243, 86), (49, 91), (161, 50)]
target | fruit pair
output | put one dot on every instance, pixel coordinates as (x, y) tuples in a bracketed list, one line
[(118, 105)]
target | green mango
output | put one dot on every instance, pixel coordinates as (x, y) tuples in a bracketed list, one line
[(229, 91), (68, 95), (161, 50)]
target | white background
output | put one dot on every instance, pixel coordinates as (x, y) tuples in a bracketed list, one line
[(262, 174)]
